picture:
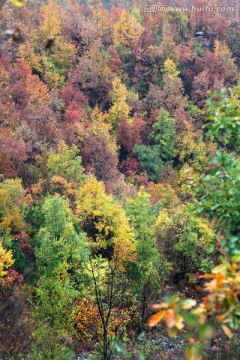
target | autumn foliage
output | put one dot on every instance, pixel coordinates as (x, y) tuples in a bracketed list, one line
[(119, 177)]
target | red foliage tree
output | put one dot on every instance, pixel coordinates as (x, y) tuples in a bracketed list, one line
[(130, 135), (12, 152), (115, 62), (97, 159), (69, 94), (75, 102), (130, 166), (201, 88)]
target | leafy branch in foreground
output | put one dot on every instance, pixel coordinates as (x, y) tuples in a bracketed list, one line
[(220, 305)]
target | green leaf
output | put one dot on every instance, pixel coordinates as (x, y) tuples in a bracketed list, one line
[(188, 304), (206, 332), (219, 268), (188, 170), (214, 171), (236, 258)]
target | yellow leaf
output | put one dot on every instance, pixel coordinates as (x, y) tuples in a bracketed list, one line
[(179, 322), (156, 318), (202, 319), (199, 310), (17, 3), (227, 331)]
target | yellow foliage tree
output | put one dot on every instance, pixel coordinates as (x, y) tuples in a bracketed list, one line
[(5, 260), (127, 30), (100, 17), (49, 60), (62, 53), (52, 78), (111, 245), (12, 201), (100, 127), (105, 222), (120, 108), (184, 239), (221, 48), (27, 52), (50, 28), (170, 69), (168, 47), (51, 19), (186, 145), (164, 194)]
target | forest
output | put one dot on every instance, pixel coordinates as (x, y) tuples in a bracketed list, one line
[(119, 180)]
